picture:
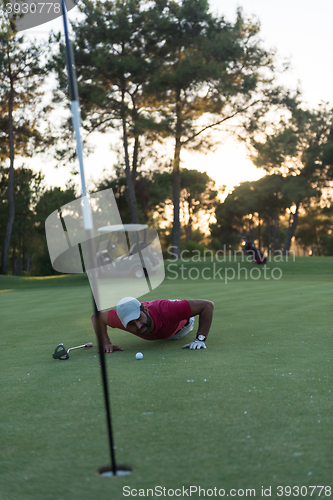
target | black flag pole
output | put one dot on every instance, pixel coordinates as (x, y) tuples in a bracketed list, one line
[(88, 226)]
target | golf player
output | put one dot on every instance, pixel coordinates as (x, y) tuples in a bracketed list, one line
[(159, 319)]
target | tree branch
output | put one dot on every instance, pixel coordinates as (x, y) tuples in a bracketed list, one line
[(212, 125)]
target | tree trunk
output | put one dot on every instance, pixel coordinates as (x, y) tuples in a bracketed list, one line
[(269, 234), (189, 232), (250, 231), (23, 257), (275, 246), (291, 230), (190, 221), (176, 196), (129, 180), (259, 234), (15, 273), (135, 160), (11, 202), (20, 257), (13, 258), (176, 183)]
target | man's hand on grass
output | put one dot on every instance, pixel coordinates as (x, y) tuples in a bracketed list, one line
[(111, 348), (196, 344)]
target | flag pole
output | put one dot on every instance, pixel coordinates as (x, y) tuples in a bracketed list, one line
[(87, 217)]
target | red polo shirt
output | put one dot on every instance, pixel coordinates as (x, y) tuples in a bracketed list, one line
[(169, 317)]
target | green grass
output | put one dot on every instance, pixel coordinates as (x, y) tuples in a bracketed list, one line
[(254, 409)]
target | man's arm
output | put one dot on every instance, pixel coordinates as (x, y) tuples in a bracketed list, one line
[(101, 325), (205, 309)]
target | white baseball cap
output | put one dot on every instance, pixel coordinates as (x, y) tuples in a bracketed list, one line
[(128, 309)]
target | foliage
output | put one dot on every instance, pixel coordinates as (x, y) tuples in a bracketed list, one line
[(197, 198), (21, 74), (194, 248), (244, 210), (29, 253), (298, 148), (27, 186), (210, 72), (154, 195), (315, 231), (166, 70), (50, 200), (114, 60), (153, 192)]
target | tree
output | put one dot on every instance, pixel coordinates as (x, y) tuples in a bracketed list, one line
[(315, 231), (21, 76), (244, 210), (113, 62), (197, 196), (296, 148), (210, 72), (167, 70), (268, 202), (232, 221), (49, 201), (153, 192), (27, 187)]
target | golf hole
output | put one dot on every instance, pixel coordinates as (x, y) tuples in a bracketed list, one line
[(121, 470)]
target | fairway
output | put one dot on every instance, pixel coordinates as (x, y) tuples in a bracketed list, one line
[(252, 411)]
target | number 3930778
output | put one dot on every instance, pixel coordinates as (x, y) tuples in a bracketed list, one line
[(32, 8), (303, 491)]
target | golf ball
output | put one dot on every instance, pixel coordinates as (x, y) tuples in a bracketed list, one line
[(139, 355)]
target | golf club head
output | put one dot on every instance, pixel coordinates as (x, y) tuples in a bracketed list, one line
[(60, 352)]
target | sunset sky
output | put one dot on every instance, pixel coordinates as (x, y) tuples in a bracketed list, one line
[(299, 30)]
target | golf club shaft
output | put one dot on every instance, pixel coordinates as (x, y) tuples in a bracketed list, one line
[(79, 346)]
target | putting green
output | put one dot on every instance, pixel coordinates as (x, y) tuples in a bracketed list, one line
[(253, 410)]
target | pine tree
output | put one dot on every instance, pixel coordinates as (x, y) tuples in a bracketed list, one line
[(210, 72), (21, 76)]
